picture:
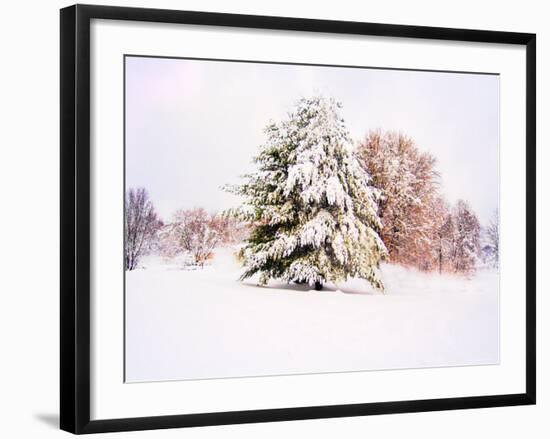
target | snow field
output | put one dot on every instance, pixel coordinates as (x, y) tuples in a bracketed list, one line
[(205, 323)]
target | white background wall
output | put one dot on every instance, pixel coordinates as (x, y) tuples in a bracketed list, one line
[(29, 249)]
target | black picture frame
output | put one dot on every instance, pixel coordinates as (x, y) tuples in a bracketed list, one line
[(75, 218)]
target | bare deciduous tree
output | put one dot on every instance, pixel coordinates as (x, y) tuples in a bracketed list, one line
[(142, 224), (194, 231), (492, 237), (234, 230), (446, 244), (467, 242)]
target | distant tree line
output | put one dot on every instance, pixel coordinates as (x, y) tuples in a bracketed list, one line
[(320, 208), (191, 232), (196, 232), (419, 228), (324, 209)]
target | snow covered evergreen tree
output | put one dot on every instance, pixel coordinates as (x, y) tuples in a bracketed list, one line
[(313, 211)]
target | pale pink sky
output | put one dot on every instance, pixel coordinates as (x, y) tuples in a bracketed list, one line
[(193, 126)]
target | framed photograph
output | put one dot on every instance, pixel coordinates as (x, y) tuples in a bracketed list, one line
[(268, 218)]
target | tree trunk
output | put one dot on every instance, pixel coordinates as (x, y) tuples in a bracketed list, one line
[(318, 286)]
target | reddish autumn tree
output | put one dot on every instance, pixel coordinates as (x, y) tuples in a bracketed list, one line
[(410, 208), (193, 231), (426, 250)]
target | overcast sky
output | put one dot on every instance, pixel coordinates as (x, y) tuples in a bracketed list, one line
[(193, 126)]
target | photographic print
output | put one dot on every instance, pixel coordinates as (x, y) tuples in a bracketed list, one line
[(296, 219)]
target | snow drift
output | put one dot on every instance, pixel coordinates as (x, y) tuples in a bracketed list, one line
[(204, 323)]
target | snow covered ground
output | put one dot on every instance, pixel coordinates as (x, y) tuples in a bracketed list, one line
[(192, 324)]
